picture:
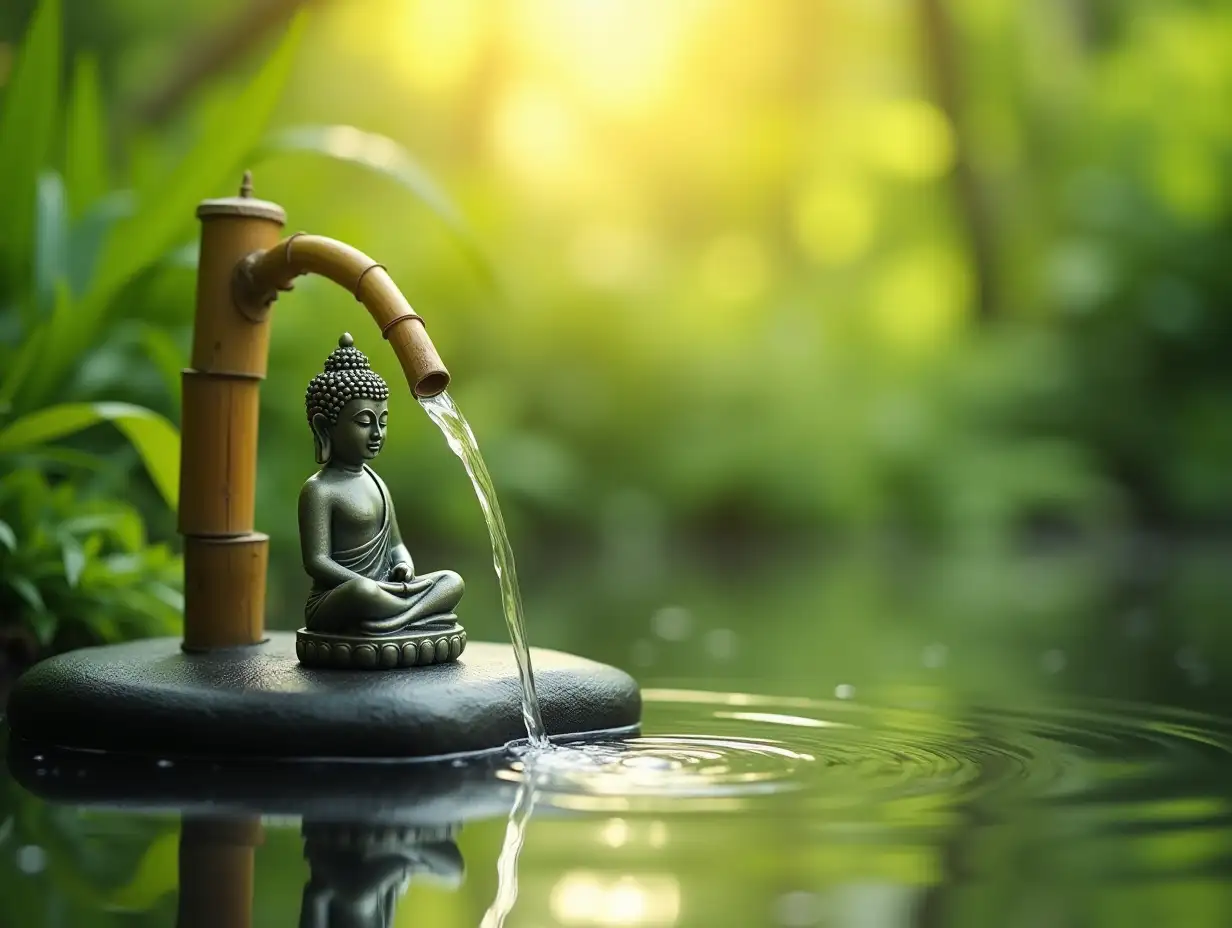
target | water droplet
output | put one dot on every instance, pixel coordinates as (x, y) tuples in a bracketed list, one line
[(844, 691), (720, 643), (38, 758), (642, 653), (799, 909), (672, 623), (165, 764), (935, 656), (31, 859), (1053, 661)]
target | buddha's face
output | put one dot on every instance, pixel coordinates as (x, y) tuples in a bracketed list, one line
[(359, 433)]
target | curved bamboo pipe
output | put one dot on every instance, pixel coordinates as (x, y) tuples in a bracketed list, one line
[(260, 276)]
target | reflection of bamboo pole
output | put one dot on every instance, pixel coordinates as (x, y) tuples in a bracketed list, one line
[(216, 872), (941, 49)]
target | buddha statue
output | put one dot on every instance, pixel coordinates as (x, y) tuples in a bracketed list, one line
[(364, 588)]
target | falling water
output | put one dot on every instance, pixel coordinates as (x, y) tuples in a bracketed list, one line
[(461, 439)]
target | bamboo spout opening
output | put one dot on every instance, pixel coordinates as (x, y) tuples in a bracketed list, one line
[(262, 274)]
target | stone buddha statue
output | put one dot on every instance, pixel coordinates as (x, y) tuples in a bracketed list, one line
[(364, 588)]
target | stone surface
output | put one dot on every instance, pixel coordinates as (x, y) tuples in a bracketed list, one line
[(260, 702)]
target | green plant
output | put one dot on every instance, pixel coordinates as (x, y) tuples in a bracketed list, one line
[(80, 570)]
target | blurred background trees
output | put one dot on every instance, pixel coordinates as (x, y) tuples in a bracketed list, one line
[(716, 281)]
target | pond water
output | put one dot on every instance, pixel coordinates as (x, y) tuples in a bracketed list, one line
[(832, 740)]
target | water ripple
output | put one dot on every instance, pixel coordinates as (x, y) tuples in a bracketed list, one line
[(840, 754)]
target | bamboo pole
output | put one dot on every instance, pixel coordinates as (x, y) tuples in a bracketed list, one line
[(224, 560)]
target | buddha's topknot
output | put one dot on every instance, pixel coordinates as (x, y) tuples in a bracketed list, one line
[(347, 376)]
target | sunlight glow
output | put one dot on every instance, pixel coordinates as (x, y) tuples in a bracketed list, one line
[(835, 219), (911, 139), (582, 897), (615, 833), (535, 135), (445, 39), (619, 54)]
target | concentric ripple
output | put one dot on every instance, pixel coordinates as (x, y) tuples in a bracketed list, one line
[(838, 754)]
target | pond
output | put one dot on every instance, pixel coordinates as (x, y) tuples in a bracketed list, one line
[(871, 739)]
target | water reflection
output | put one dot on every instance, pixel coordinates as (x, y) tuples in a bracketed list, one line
[(735, 808), (359, 872)]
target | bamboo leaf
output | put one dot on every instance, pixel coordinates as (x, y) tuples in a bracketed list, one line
[(27, 125), (8, 537), (386, 157), (165, 213), (156, 439), (85, 149)]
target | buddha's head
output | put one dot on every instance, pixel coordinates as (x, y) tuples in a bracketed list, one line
[(348, 407)]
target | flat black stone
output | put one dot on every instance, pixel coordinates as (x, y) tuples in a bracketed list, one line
[(149, 697)]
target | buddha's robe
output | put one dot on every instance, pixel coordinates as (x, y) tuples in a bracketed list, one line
[(360, 605)]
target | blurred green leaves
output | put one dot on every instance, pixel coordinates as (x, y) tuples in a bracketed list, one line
[(387, 158), (27, 127), (164, 211), (81, 567), (156, 439)]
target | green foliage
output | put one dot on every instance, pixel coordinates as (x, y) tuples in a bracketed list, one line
[(81, 569)]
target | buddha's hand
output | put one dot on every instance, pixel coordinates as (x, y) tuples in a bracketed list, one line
[(405, 588), (402, 572)]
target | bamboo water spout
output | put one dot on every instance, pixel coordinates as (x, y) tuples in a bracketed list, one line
[(244, 263)]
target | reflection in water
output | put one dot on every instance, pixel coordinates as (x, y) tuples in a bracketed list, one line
[(359, 872), (216, 872), (770, 810), (507, 863)]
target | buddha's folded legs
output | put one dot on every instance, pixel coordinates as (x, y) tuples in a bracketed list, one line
[(361, 606)]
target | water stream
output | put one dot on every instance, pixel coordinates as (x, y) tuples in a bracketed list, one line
[(449, 419)]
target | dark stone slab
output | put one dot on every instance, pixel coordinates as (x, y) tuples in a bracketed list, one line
[(149, 697)]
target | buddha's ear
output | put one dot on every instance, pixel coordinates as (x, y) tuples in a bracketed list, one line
[(320, 438)]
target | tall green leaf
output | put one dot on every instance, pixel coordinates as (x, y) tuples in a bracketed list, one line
[(211, 169), (27, 125), (163, 215), (50, 238), (85, 139), (156, 439), (386, 157)]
